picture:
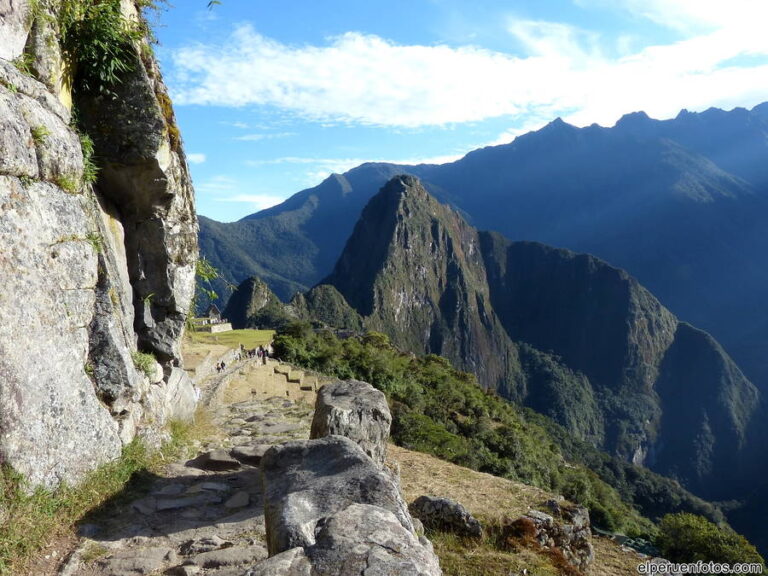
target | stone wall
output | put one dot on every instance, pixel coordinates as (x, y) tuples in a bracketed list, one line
[(91, 273)]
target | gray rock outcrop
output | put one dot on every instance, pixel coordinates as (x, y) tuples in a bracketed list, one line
[(92, 273), (446, 515), (305, 481), (569, 533), (14, 27), (361, 539), (356, 410)]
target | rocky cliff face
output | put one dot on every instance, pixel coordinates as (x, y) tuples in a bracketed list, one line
[(564, 333), (669, 395), (93, 272), (414, 269)]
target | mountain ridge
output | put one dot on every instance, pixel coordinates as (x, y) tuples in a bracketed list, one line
[(679, 203), (564, 333)]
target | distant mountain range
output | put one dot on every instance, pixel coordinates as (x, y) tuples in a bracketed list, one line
[(680, 204), (566, 334)]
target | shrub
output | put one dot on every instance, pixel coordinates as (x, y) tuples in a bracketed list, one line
[(68, 183), (90, 169), (689, 538)]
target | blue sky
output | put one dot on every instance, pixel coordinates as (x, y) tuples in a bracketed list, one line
[(274, 95)]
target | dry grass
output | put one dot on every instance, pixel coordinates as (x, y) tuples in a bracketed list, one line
[(464, 557), (483, 494), (490, 499), (612, 560)]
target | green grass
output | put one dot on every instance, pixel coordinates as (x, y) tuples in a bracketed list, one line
[(31, 518), (40, 134), (36, 517), (68, 183), (234, 338), (144, 363)]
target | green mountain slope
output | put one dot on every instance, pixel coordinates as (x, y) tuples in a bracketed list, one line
[(599, 348)]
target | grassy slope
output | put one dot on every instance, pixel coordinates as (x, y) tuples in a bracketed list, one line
[(490, 499)]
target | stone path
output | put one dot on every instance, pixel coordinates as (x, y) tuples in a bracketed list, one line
[(205, 516)]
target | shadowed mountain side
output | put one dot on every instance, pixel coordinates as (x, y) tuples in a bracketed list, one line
[(599, 349), (669, 395), (708, 408)]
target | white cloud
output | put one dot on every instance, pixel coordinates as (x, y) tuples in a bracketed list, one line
[(366, 79), (256, 201), (238, 124), (196, 158), (264, 136), (216, 185), (318, 169), (692, 15)]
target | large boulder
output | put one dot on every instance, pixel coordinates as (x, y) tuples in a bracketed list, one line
[(447, 515), (361, 539), (305, 481), (356, 410)]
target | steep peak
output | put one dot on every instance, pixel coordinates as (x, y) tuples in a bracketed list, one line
[(638, 124), (558, 123), (405, 185), (633, 119), (404, 195), (251, 296), (558, 126), (400, 223)]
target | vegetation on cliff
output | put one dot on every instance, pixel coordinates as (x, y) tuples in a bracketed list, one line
[(30, 518)]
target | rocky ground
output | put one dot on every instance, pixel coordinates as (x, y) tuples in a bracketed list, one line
[(205, 516)]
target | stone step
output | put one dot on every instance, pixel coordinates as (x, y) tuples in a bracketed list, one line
[(282, 369)]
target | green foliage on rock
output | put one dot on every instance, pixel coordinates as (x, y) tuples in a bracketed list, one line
[(99, 42), (90, 169), (40, 134), (144, 363), (690, 538)]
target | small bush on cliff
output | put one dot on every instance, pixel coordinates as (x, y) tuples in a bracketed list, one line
[(98, 41), (690, 538), (144, 363), (40, 134), (90, 169)]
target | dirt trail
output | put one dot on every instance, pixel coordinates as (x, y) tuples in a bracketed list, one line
[(205, 516)]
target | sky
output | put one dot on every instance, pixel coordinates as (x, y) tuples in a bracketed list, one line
[(272, 96)]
